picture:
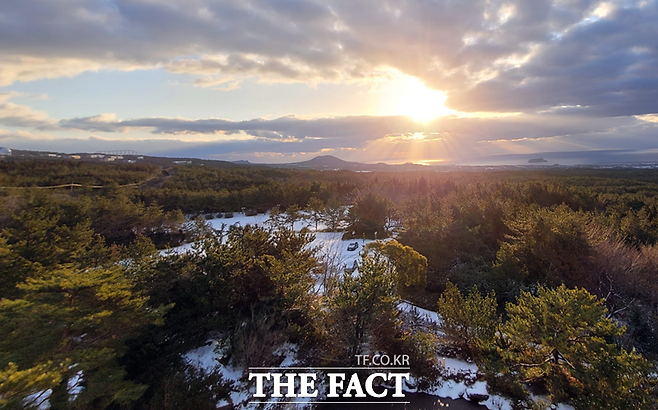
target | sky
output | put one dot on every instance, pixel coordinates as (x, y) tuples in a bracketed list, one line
[(424, 81)]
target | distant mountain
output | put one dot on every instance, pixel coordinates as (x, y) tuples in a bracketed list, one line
[(322, 163), (325, 162), (329, 162), (602, 158)]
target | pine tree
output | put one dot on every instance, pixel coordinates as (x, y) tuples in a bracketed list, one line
[(469, 322), (14, 382), (73, 322), (316, 208), (561, 339), (369, 215), (333, 214), (410, 266), (363, 302)]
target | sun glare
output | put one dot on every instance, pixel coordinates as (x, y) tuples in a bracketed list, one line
[(421, 103), (407, 95)]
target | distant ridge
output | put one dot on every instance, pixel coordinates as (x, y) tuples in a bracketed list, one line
[(22, 155), (325, 162), (329, 162), (611, 158)]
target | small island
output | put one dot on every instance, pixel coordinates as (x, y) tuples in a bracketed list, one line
[(536, 160)]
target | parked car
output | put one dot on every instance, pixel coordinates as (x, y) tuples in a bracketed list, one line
[(353, 246)]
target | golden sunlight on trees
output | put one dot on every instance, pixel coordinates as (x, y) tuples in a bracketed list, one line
[(547, 246), (83, 280), (560, 340), (14, 383), (410, 266), (72, 322), (469, 322)]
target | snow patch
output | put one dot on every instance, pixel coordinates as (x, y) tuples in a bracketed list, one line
[(74, 385), (425, 314), (497, 403), (38, 400), (204, 357), (458, 365)]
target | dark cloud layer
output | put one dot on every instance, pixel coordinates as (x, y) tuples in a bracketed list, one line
[(361, 138), (590, 57), (361, 128), (456, 138)]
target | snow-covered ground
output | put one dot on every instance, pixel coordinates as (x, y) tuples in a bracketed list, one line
[(467, 372), (206, 358), (330, 244), (240, 219), (424, 314), (333, 249), (40, 400), (454, 369)]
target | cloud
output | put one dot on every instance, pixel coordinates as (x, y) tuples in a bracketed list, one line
[(380, 138), (15, 135), (357, 127), (585, 56), (581, 73), (22, 67), (356, 138), (14, 115), (648, 117), (8, 95)]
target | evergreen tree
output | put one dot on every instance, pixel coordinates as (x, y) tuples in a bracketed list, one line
[(363, 303), (369, 214), (277, 218), (315, 207), (333, 214), (14, 383), (293, 214), (73, 322), (561, 339), (410, 266), (547, 246), (469, 322)]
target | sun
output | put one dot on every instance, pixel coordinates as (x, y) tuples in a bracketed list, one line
[(406, 95), (420, 103)]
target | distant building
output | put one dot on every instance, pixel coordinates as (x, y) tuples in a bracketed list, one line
[(5, 151), (74, 156), (183, 162)]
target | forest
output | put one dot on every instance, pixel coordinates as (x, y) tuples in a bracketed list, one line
[(547, 279)]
